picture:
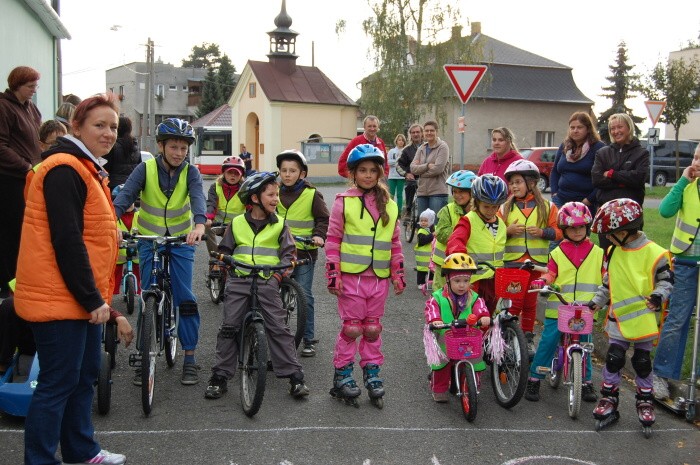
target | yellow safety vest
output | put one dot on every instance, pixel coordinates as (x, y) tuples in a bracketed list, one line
[(160, 215), (484, 247), (536, 247), (577, 284), (227, 210), (423, 252), (261, 248), (448, 317), (631, 280), (366, 242), (12, 284), (687, 220), (121, 258), (299, 216), (455, 212)]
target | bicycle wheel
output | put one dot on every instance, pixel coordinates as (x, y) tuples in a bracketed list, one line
[(469, 392), (170, 330), (409, 225), (510, 376), (104, 385), (214, 284), (111, 343), (130, 292), (149, 350), (295, 304), (575, 373), (555, 374), (254, 369)]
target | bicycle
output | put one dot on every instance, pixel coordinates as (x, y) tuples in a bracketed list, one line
[(216, 275), (569, 363), (410, 224), (129, 284), (252, 340), (158, 318), (464, 343), (107, 364)]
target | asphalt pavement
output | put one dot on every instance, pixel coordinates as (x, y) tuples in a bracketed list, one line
[(186, 428)]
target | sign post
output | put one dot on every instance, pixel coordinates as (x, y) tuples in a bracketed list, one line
[(464, 79), (655, 108)]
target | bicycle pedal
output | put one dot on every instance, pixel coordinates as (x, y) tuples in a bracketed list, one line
[(543, 370), (135, 360)]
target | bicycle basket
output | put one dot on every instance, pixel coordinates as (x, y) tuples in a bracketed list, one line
[(575, 319), (463, 343), (511, 283)]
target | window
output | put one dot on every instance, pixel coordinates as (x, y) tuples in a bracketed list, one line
[(121, 91), (548, 155), (160, 91), (544, 138), (142, 85), (172, 87), (184, 88), (251, 90), (488, 138)]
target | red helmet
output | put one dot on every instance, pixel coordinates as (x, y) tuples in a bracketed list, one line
[(617, 215), (573, 214), (233, 162)]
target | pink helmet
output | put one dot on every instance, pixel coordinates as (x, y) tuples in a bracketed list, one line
[(573, 214), (233, 162)]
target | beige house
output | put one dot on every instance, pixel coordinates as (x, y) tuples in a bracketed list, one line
[(278, 104), (692, 129)]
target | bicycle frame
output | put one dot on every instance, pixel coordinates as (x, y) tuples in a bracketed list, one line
[(129, 269), (568, 344)]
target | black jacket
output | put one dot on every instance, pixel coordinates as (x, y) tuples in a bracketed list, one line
[(403, 165), (121, 162), (630, 165)]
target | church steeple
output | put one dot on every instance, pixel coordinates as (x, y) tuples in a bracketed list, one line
[(283, 42)]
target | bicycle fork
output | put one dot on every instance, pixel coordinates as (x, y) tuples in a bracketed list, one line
[(472, 373)]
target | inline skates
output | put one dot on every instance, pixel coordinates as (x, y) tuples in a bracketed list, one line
[(606, 412), (374, 384), (344, 386), (645, 410)]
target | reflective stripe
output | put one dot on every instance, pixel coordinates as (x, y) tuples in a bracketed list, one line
[(299, 224), (258, 250), (632, 315), (152, 228), (167, 213), (629, 301), (358, 259), (358, 240), (521, 249)]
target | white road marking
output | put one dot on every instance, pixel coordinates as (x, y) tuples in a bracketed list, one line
[(524, 460), (366, 462), (434, 461)]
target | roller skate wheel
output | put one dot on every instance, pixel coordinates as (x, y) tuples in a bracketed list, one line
[(598, 425), (378, 402), (647, 431)]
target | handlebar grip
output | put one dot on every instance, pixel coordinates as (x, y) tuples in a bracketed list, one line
[(686, 262)]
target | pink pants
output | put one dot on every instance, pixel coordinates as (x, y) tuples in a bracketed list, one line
[(362, 297)]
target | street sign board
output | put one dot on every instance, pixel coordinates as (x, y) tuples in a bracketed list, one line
[(653, 136), (655, 108), (465, 78), (460, 124)]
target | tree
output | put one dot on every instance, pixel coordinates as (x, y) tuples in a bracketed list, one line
[(210, 95), (221, 76), (203, 56), (678, 83), (225, 79), (623, 85)]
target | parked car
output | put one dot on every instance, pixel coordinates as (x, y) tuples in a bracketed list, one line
[(665, 158), (543, 157)]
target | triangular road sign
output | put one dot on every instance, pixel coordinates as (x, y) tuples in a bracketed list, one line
[(465, 78), (655, 108)]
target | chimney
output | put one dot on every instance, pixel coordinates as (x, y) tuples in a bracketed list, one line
[(456, 32), (476, 28)]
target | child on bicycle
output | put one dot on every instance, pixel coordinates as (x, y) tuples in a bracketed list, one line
[(456, 300), (448, 216), (127, 223), (576, 267), (258, 236), (637, 281), (424, 248), (531, 222), (305, 213), (359, 272), (223, 202), (482, 234), (171, 198)]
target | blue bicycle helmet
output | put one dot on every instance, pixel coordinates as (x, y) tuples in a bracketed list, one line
[(364, 152), (116, 190), (461, 179), (254, 184), (490, 189), (175, 128)]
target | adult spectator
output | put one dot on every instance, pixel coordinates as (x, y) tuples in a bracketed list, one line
[(371, 125), (124, 156), (403, 166), (19, 151), (66, 261), (504, 153), (570, 180), (247, 158), (621, 168), (64, 114), (432, 164), (396, 180)]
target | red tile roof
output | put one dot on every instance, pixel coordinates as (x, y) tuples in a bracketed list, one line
[(220, 117)]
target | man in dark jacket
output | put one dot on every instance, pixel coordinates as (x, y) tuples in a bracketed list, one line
[(403, 166)]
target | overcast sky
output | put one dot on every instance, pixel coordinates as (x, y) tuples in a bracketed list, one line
[(582, 35)]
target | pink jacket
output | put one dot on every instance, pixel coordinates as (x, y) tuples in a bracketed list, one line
[(336, 226), (492, 165), (432, 307)]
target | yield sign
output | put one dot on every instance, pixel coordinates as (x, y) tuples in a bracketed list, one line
[(655, 108), (465, 78)]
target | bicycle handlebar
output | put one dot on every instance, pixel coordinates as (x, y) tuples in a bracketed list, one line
[(230, 261), (156, 238), (305, 240), (459, 323), (686, 262), (526, 265), (549, 290)]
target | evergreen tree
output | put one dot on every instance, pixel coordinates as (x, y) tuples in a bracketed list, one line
[(225, 79), (203, 56), (623, 85), (210, 95)]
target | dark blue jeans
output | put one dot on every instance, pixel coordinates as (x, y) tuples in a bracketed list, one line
[(61, 409), (304, 275)]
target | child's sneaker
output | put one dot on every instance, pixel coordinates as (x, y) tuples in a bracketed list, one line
[(297, 388), (309, 349), (660, 388), (588, 393), (440, 397), (217, 387), (532, 390), (190, 374), (107, 458)]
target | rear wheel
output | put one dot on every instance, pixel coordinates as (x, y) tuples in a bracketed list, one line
[(149, 351), (295, 305), (409, 225), (556, 373), (130, 292), (104, 385), (254, 369), (660, 178), (575, 373), (170, 331), (469, 392), (510, 376)]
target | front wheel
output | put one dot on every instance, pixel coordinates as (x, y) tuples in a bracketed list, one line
[(469, 392), (104, 385), (295, 305), (215, 283), (409, 225), (575, 373), (149, 350), (130, 293), (254, 368), (660, 178), (170, 332), (509, 377)]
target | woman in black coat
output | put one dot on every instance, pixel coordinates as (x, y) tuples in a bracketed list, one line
[(125, 155)]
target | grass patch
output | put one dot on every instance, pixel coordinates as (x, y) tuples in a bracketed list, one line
[(656, 192)]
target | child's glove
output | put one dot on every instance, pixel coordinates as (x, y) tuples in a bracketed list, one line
[(654, 302), (397, 277), (333, 277)]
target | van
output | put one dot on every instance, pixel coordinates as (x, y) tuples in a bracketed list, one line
[(664, 162)]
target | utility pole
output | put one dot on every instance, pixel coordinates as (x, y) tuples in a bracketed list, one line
[(148, 116)]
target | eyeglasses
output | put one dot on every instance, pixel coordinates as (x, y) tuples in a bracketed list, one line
[(516, 183), (31, 86)]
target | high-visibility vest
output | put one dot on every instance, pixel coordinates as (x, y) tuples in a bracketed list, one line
[(366, 242), (448, 317), (227, 210), (261, 248), (161, 215), (631, 280), (299, 216), (423, 252), (577, 284), (687, 220), (484, 247), (536, 247), (455, 212), (121, 258)]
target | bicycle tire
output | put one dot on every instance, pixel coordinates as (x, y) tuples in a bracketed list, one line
[(110, 337), (469, 392), (130, 291), (148, 354), (170, 331), (509, 377), (104, 385), (214, 285), (554, 376), (254, 368), (575, 386), (411, 224), (295, 304)]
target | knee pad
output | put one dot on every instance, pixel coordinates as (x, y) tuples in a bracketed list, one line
[(615, 359), (371, 328), (188, 308), (228, 332), (352, 329), (641, 362)]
